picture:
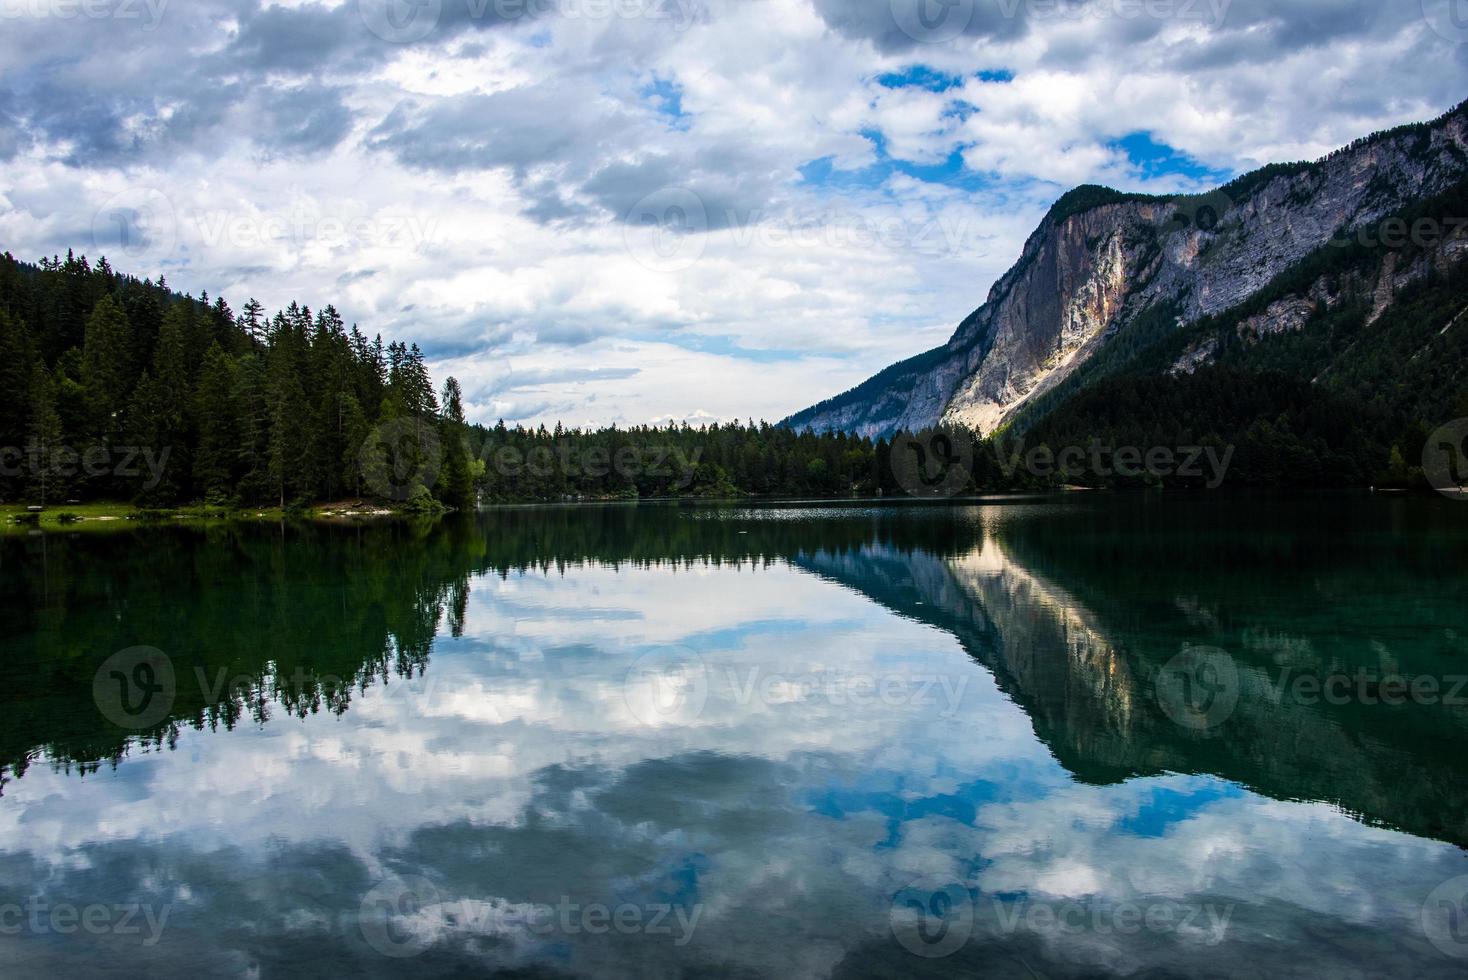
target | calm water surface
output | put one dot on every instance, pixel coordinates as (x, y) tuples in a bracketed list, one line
[(1032, 738)]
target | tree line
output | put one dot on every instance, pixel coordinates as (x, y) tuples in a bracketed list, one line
[(101, 372), (118, 388), (115, 388)]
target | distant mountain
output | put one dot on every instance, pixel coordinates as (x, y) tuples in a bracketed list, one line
[(1278, 274)]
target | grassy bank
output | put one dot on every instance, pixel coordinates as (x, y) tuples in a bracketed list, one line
[(99, 516)]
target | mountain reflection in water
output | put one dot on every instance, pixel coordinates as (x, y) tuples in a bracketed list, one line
[(766, 727)]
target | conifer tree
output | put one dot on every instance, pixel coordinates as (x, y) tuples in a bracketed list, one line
[(288, 440), (214, 408), (148, 424), (456, 482), (106, 364), (17, 364), (251, 398), (45, 444)]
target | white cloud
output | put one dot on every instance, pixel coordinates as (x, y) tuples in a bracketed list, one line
[(469, 190)]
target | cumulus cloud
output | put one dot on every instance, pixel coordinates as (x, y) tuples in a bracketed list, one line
[(824, 186)]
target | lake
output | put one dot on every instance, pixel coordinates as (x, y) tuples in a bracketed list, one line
[(1036, 737)]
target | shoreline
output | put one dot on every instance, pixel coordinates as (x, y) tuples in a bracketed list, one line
[(96, 516), (108, 515)]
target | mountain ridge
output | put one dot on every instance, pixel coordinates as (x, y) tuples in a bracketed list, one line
[(1102, 261)]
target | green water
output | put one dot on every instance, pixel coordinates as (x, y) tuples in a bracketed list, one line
[(1032, 738)]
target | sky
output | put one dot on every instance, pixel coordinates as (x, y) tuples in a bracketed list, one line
[(630, 211)]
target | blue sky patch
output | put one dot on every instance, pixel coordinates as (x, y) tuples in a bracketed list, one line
[(925, 77), (666, 97), (920, 76), (1153, 159), (883, 792), (724, 345), (1170, 806), (950, 172)]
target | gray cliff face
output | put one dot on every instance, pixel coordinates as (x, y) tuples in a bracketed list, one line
[(1084, 276)]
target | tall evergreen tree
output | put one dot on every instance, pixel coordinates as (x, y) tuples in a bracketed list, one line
[(49, 469), (17, 363), (106, 364), (288, 440), (456, 481), (251, 398), (149, 423), (214, 407)]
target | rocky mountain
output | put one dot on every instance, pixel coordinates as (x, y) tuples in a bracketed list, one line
[(1108, 277)]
